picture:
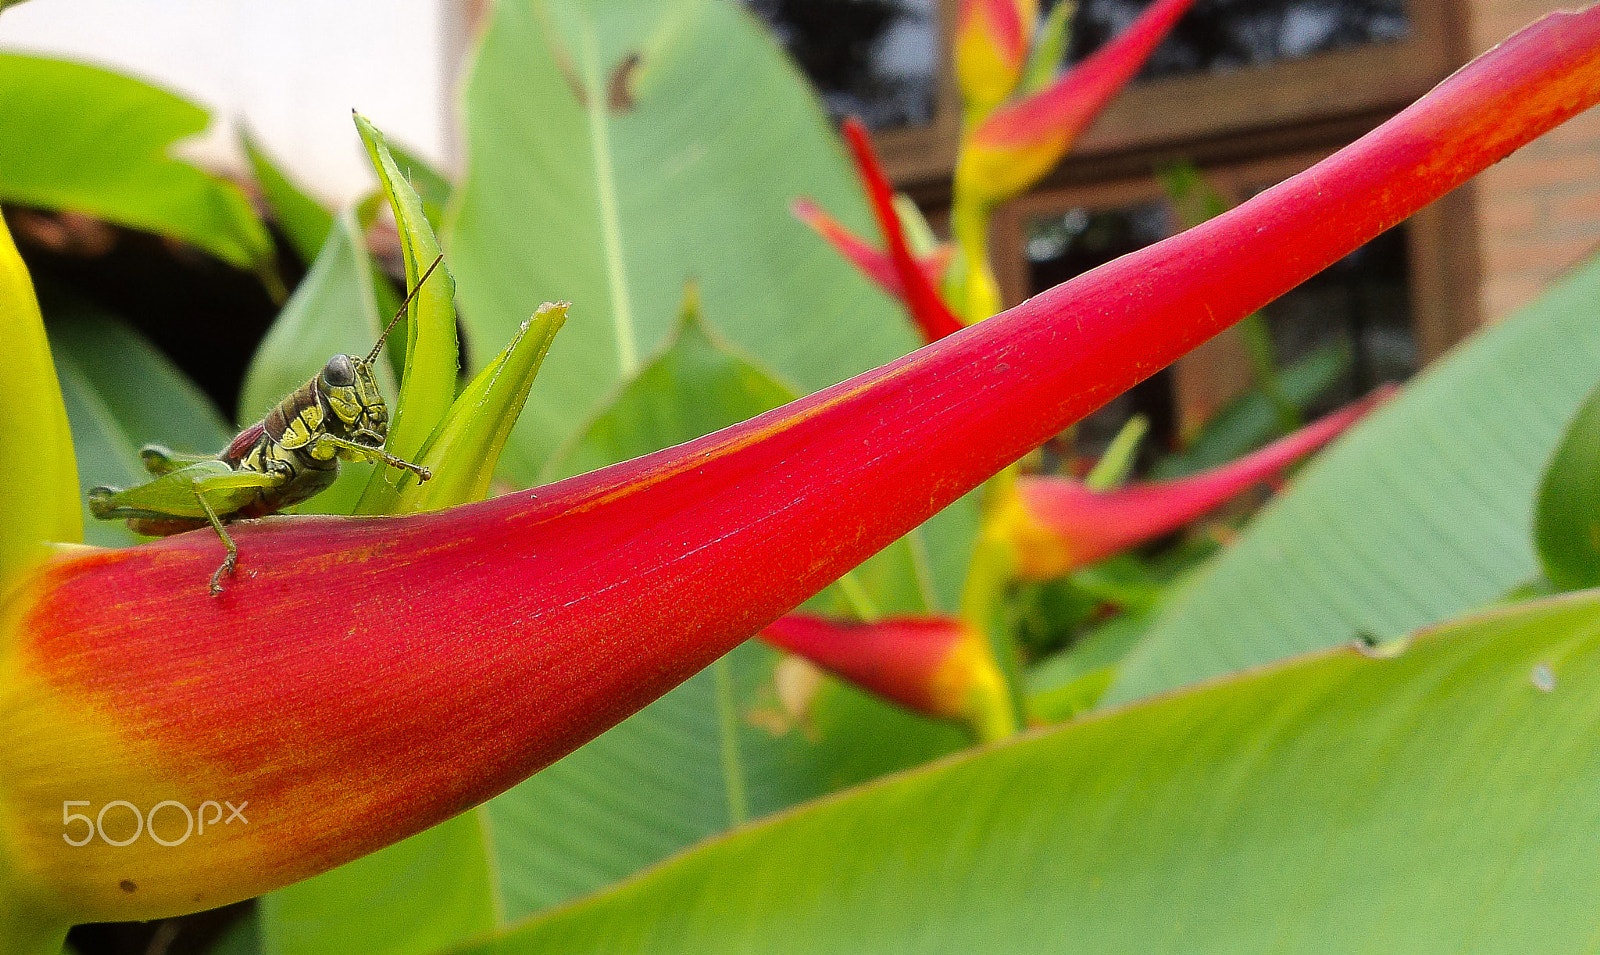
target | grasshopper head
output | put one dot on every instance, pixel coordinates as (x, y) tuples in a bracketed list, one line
[(353, 396)]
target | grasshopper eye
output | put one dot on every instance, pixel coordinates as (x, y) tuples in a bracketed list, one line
[(339, 372)]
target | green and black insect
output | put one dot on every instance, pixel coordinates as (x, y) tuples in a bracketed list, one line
[(288, 456)]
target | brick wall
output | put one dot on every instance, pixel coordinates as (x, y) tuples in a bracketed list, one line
[(1538, 211)]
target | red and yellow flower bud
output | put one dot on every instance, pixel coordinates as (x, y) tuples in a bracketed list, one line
[(1016, 145), (364, 678), (991, 48), (935, 666), (1056, 525)]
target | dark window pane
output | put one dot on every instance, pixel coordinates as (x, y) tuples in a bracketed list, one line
[(1062, 246), (1360, 307), (1222, 35), (876, 59), (1361, 303)]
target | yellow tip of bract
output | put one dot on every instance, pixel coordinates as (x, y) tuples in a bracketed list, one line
[(1038, 551), (976, 689), (38, 473), (990, 174), (125, 838), (991, 49)]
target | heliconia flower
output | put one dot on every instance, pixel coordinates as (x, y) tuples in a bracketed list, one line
[(936, 666), (1017, 144), (991, 48), (363, 678), (871, 261), (1057, 524), (927, 309)]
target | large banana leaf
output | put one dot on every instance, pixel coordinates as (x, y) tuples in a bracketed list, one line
[(619, 149), (1421, 513), (1445, 800)]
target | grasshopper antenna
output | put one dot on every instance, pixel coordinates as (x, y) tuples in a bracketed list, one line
[(372, 356)]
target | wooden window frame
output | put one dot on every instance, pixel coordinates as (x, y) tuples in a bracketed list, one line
[(1328, 88), (1243, 128)]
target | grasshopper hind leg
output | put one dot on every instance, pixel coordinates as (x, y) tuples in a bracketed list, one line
[(229, 562)]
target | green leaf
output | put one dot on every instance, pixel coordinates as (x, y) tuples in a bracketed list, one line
[(303, 220), (711, 755), (242, 937), (429, 384), (1049, 47), (1567, 515), (619, 149), (465, 449), (38, 478), (695, 387), (1422, 512), (1071, 682), (427, 892), (332, 312), (113, 158), (1443, 801), (122, 393)]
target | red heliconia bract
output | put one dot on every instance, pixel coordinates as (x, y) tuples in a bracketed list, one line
[(937, 666), (1056, 525), (869, 260), (362, 679), (927, 309)]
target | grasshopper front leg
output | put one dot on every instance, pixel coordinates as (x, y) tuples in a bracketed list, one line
[(355, 450), (208, 491)]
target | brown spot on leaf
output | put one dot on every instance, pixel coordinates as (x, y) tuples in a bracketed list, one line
[(128, 886), (619, 89)]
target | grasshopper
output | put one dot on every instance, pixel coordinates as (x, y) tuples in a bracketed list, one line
[(288, 456)]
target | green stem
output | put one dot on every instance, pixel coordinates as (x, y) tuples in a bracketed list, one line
[(983, 607), (1113, 468), (975, 292), (610, 216)]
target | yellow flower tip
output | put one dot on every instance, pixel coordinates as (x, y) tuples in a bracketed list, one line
[(990, 174), (1038, 551), (971, 687), (991, 49)]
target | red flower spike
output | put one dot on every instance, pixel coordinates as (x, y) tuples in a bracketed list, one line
[(364, 678), (1057, 525), (927, 309), (1017, 144), (870, 261), (930, 665), (991, 48)]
